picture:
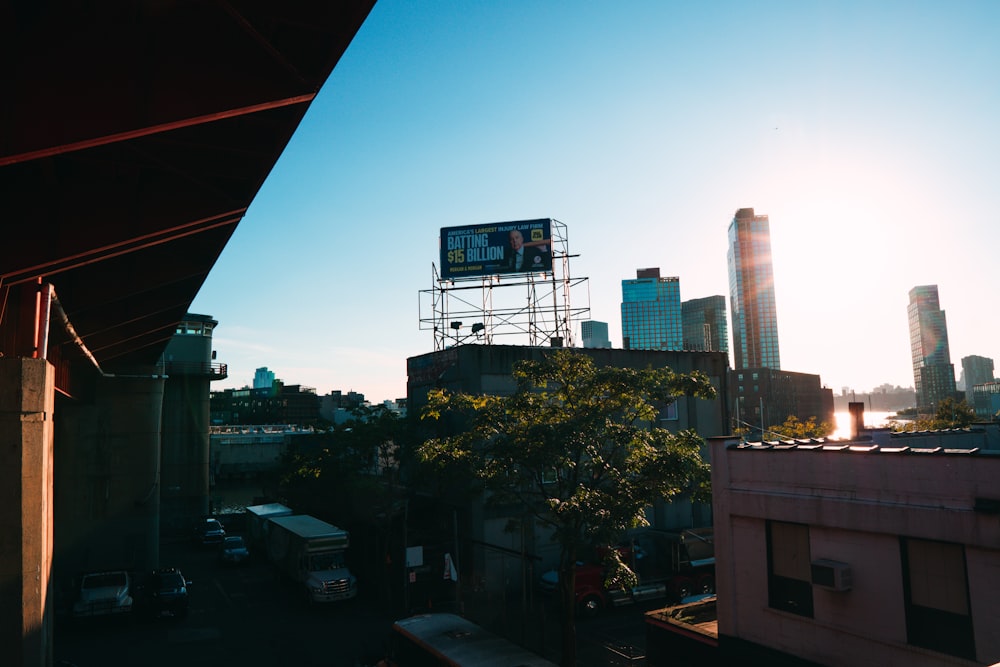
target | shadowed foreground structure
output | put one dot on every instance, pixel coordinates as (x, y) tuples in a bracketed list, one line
[(134, 137)]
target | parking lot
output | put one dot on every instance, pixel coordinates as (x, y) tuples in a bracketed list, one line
[(242, 615), (238, 616)]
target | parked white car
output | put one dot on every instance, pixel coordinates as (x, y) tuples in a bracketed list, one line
[(103, 593)]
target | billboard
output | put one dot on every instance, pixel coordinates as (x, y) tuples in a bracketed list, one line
[(523, 246)]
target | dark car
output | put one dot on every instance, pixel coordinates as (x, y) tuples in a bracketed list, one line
[(233, 550), (164, 593), (209, 531)]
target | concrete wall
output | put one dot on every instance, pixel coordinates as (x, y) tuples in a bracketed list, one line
[(184, 448), (107, 478), (185, 452), (26, 512), (857, 505)]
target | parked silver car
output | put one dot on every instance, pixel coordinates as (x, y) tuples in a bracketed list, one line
[(103, 593)]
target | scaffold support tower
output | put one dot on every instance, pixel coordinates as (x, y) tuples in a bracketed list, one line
[(530, 308)]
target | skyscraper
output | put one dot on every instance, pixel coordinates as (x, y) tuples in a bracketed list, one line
[(594, 334), (975, 370), (751, 292), (651, 312), (933, 373), (263, 378), (705, 328)]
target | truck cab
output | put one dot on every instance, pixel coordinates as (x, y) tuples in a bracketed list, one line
[(667, 565)]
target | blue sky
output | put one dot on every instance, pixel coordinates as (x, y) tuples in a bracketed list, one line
[(868, 132)]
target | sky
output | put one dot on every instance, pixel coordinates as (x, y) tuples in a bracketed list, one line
[(868, 132)]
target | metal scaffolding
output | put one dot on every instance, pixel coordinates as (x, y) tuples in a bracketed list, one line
[(534, 307)]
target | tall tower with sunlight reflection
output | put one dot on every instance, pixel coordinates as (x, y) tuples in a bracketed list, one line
[(933, 372), (751, 290)]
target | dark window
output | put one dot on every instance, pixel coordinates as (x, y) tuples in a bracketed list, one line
[(936, 595), (789, 586)]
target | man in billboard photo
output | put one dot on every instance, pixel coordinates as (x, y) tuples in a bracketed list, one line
[(527, 256)]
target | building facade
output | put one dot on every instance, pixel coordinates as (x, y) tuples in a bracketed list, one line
[(986, 400), (751, 292), (651, 312), (704, 324), (975, 370), (764, 397), (280, 404), (594, 334), (845, 554), (933, 372)]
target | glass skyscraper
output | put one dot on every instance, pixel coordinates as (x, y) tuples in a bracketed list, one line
[(933, 373), (705, 328), (751, 292), (651, 312), (594, 334)]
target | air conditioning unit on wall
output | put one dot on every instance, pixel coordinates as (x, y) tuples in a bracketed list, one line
[(831, 575)]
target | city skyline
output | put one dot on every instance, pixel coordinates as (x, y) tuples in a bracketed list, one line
[(642, 129)]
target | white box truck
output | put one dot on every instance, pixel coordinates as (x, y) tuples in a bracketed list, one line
[(312, 553), (257, 525)]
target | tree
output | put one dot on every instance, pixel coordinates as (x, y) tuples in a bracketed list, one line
[(953, 414), (793, 428), (578, 448), (948, 414), (353, 467)]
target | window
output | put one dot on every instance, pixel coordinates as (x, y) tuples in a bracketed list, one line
[(936, 596), (789, 584)]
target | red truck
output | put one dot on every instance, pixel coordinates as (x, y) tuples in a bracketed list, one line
[(667, 565)]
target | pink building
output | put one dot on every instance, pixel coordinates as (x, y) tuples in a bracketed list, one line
[(851, 554)]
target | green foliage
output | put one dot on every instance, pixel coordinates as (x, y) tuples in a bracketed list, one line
[(954, 414), (576, 446), (351, 468), (617, 574), (948, 414), (794, 428)]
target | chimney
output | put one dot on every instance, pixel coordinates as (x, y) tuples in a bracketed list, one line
[(857, 410)]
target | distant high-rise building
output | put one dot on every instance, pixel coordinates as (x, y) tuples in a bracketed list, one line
[(704, 322), (594, 334), (933, 372), (975, 370), (263, 378), (651, 312), (751, 292)]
